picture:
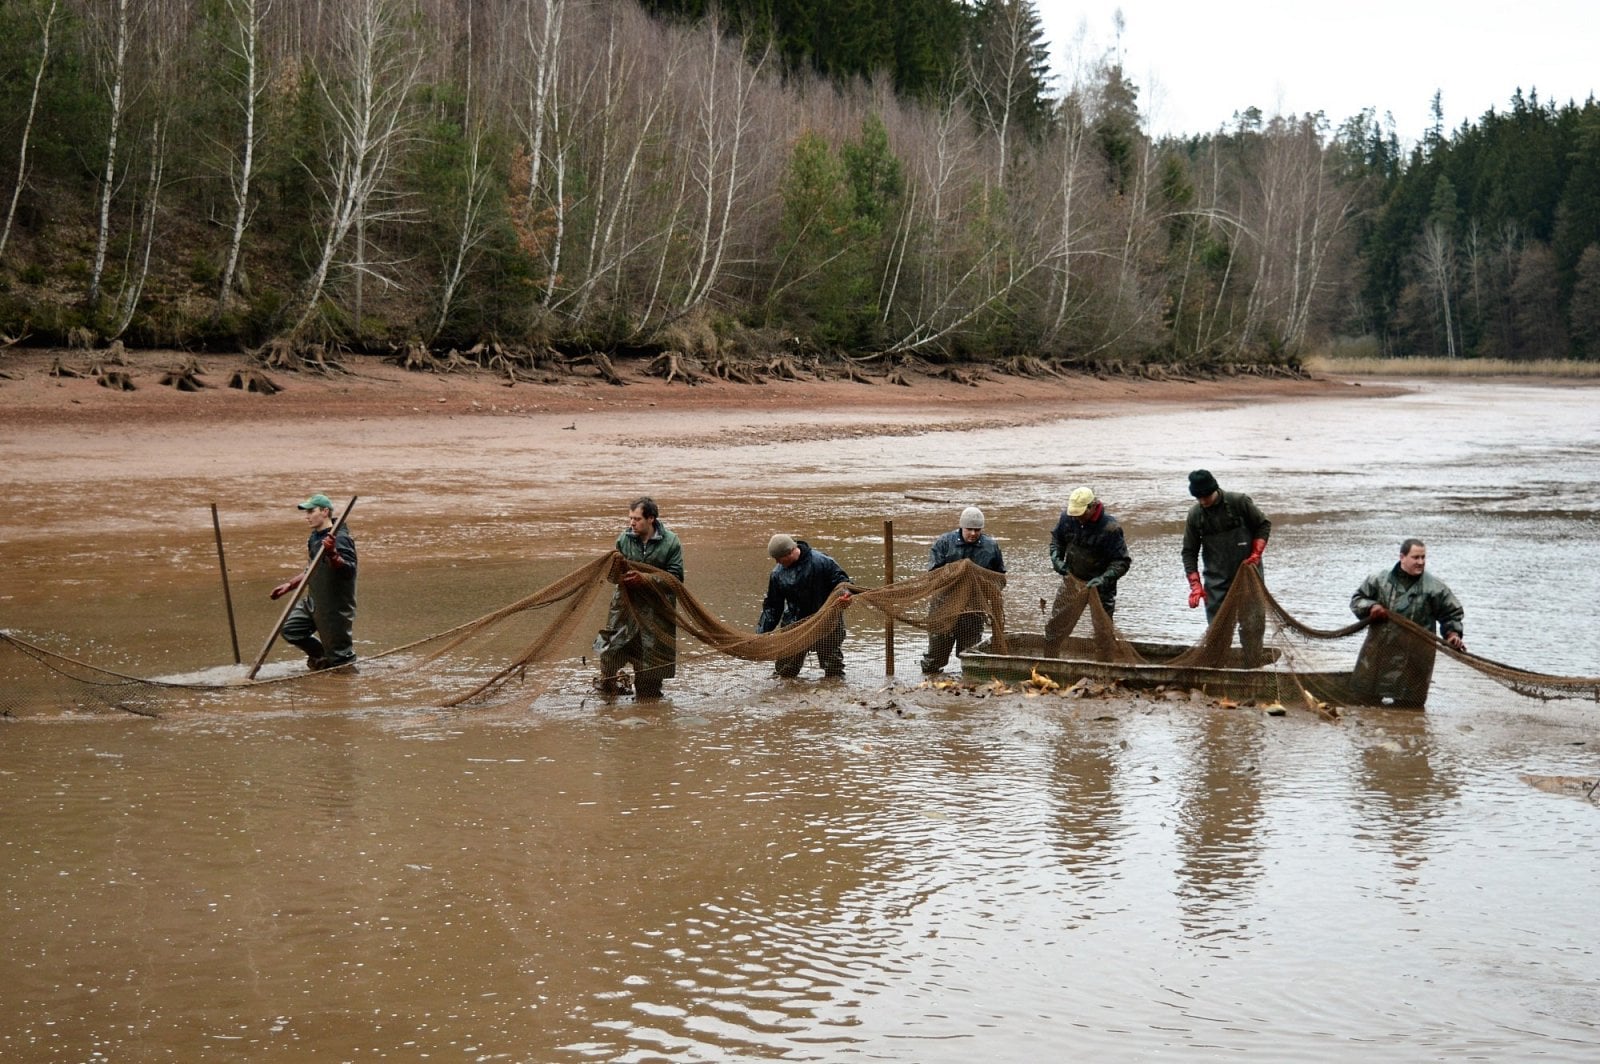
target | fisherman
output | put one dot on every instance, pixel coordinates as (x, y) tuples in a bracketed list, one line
[(1225, 530), (1392, 666), (966, 542), (799, 584), (323, 622), (1087, 545), (641, 629)]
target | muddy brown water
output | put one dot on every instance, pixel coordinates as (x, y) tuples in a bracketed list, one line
[(759, 869)]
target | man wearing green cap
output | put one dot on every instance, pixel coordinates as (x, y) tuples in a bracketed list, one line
[(323, 622)]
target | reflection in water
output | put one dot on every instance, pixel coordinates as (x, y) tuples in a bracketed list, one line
[(1403, 790), (1219, 817), (1088, 813)]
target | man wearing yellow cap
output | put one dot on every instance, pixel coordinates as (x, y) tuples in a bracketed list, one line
[(1086, 546)]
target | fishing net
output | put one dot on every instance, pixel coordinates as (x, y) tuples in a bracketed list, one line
[(1254, 649)]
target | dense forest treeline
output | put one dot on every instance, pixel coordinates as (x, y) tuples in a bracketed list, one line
[(890, 177)]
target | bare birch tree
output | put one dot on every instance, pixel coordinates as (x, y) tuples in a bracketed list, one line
[(375, 68), (469, 228), (244, 46), (541, 27), (46, 24), (1436, 254), (723, 125), (146, 211), (114, 75)]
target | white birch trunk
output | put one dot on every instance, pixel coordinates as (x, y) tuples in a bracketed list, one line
[(27, 127), (371, 120), (108, 176), (133, 285), (470, 231), (248, 15)]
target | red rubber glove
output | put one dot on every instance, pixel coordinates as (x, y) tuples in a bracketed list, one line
[(330, 547), (1197, 590), (1377, 613), (632, 578), (284, 588), (1257, 549), (844, 599)]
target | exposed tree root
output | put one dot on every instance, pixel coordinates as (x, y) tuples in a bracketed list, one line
[(253, 380), (185, 376), (736, 372), (783, 368), (674, 365), (608, 372), (115, 379)]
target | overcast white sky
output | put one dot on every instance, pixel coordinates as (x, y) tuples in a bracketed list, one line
[(1196, 62)]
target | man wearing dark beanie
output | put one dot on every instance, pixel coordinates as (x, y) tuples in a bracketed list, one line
[(1225, 530)]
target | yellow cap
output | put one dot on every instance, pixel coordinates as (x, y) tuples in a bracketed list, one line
[(1080, 502)]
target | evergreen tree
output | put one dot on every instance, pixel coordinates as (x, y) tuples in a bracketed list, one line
[(1577, 217), (1117, 128), (1585, 312)]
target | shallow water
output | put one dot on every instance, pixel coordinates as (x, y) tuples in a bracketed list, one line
[(754, 869)]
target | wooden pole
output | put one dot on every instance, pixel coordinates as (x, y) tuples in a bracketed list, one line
[(888, 578), (305, 578), (227, 596)]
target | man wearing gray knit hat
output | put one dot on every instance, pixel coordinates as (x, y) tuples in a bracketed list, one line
[(967, 542)]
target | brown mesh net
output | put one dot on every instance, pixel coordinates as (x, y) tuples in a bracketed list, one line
[(1253, 650)]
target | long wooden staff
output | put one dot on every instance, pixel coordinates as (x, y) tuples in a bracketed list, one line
[(305, 579)]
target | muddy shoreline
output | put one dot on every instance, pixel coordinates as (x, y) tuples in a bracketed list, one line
[(31, 395)]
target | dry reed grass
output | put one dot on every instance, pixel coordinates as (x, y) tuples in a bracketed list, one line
[(1451, 367)]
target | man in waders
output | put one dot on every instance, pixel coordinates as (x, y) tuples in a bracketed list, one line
[(1087, 545), (799, 585), (641, 629), (323, 622), (1225, 530), (1394, 664), (967, 542)]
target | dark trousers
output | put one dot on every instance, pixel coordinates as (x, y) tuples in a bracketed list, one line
[(830, 655), (964, 635), (332, 641)]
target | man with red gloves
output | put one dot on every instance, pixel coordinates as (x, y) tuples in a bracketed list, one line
[(323, 622), (1394, 664), (1225, 530)]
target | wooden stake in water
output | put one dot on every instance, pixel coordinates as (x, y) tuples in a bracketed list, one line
[(888, 578), (227, 596)]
